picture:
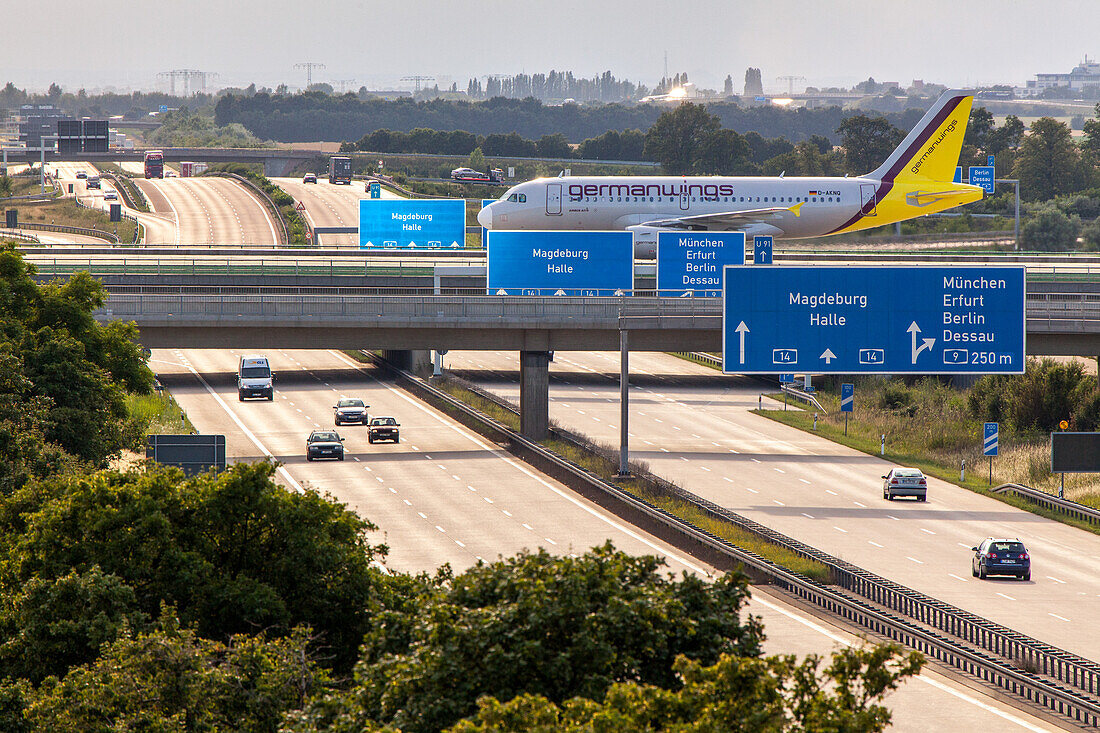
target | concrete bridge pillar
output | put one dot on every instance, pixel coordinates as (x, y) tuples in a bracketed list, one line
[(417, 361), (534, 394)]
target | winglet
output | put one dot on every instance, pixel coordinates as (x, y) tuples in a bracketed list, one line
[(795, 209)]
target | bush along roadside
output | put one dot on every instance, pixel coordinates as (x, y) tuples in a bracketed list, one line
[(295, 225)]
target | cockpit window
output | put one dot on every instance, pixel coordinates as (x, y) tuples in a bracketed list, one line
[(512, 198), (523, 198)]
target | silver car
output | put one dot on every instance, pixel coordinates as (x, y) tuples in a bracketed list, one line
[(350, 409), (905, 482)]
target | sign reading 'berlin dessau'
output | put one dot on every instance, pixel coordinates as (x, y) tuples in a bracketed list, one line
[(874, 320), (412, 224), (559, 263), (692, 262)]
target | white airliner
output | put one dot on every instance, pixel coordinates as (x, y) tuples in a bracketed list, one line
[(915, 180)]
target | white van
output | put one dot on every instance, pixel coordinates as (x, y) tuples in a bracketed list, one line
[(255, 378)]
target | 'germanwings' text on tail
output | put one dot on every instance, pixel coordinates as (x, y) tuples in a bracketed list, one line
[(915, 180)]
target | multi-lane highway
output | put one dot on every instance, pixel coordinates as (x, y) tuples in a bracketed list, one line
[(328, 205), (445, 495), (207, 210), (693, 427)]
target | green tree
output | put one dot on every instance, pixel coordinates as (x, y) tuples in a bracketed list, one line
[(1047, 393), (723, 153), (678, 135), (233, 552), (557, 627), (867, 141), (170, 679), (1048, 163), (476, 160), (807, 159), (1048, 230), (1090, 146), (735, 694), (553, 146)]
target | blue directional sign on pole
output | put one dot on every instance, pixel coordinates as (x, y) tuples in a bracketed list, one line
[(163, 108), (989, 159), (762, 249), (484, 231), (958, 174), (847, 397), (786, 378), (874, 320), (375, 190), (982, 175), (559, 262), (992, 437), (690, 263), (412, 224)]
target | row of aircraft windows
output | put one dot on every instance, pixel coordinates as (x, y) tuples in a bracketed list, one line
[(733, 199)]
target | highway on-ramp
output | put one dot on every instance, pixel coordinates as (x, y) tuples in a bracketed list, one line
[(693, 426), (443, 494)]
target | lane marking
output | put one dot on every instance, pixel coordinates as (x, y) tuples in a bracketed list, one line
[(1002, 595), (958, 577), (1051, 577), (872, 542), (561, 493), (919, 562), (1060, 618), (251, 436), (808, 623)]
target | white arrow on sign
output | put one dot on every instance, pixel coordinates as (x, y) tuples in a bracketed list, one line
[(828, 356), (914, 329), (502, 291), (370, 243), (742, 329)]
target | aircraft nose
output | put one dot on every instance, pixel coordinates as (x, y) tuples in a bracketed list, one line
[(485, 217)]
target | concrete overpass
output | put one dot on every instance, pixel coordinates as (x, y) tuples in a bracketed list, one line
[(408, 326), (276, 161)]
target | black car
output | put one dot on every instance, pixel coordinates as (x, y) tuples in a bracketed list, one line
[(324, 444), (1001, 557), (383, 428)]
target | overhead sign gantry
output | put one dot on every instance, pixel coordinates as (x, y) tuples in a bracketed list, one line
[(874, 320)]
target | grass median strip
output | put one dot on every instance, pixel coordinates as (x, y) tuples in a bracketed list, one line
[(600, 465)]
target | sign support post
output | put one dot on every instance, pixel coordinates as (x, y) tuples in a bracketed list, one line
[(624, 400)]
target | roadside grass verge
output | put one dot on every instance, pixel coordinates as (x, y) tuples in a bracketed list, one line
[(601, 463), (65, 212), (928, 427), (160, 413)]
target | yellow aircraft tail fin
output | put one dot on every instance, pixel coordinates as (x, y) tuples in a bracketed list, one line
[(930, 152)]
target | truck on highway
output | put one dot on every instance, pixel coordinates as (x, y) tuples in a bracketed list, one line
[(190, 168), (339, 170), (154, 164)]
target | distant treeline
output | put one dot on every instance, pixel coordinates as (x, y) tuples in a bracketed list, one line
[(315, 116), (611, 145)]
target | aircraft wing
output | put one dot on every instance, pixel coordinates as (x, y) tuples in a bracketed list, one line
[(731, 221)]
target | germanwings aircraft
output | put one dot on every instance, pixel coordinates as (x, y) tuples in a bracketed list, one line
[(916, 179)]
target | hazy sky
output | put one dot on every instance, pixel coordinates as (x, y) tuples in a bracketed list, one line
[(125, 43)]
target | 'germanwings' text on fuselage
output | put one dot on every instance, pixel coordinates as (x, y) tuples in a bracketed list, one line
[(915, 180)]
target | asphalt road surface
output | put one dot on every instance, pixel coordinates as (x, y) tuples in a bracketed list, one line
[(445, 495), (693, 426)]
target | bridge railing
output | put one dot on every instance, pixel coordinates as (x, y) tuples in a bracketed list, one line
[(1084, 314)]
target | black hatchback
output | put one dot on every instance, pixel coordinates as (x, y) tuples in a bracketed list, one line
[(1001, 557)]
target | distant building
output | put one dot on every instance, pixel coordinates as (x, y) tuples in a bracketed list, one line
[(1085, 74), (36, 120)]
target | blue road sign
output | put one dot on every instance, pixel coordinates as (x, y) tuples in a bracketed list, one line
[(408, 223), (762, 249), (484, 231), (559, 262), (958, 174), (847, 397), (982, 175), (163, 108), (992, 437), (874, 320), (786, 378), (692, 262), (989, 160), (375, 190)]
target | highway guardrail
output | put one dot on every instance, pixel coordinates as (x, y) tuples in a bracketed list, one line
[(17, 235), (1051, 503), (62, 229), (953, 634)]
